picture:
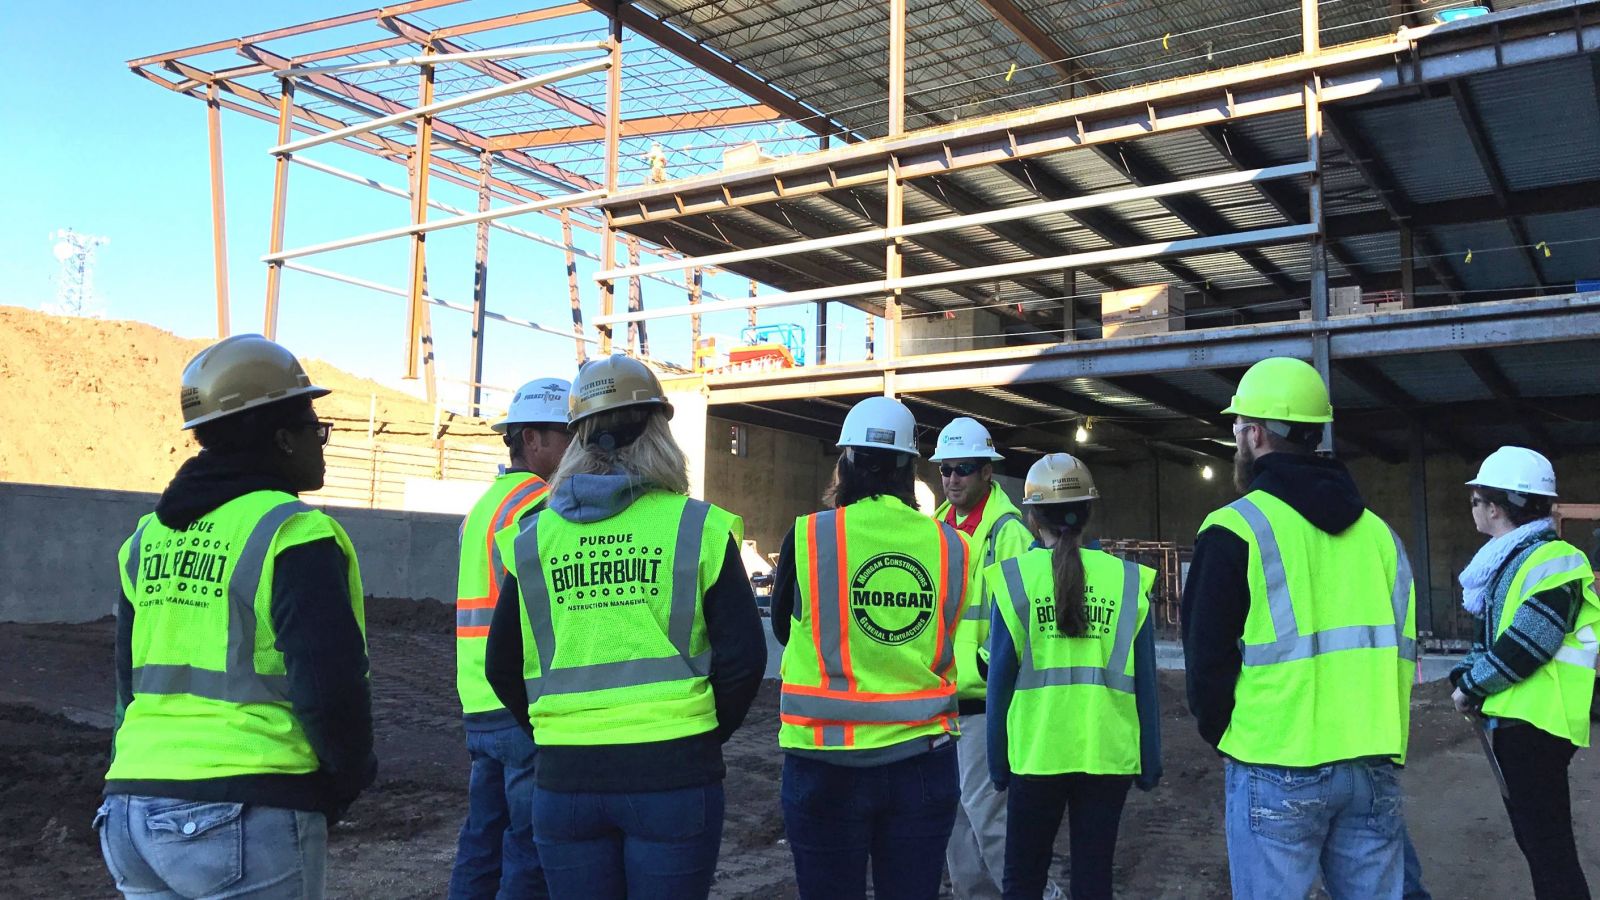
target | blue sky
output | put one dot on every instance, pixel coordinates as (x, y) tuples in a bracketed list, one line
[(97, 149)]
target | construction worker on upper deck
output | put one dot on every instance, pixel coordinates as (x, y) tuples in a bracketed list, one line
[(627, 638), (244, 713), (1299, 639), (1532, 667), (495, 853), (866, 598), (976, 506)]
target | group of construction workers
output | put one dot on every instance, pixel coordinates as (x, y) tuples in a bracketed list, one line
[(952, 686)]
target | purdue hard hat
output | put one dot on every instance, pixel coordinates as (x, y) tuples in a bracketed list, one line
[(1058, 478), (880, 423), (1518, 470), (1282, 389), (611, 383), (239, 373), (540, 402), (964, 438)]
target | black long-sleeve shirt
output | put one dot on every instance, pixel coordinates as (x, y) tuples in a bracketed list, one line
[(738, 662)]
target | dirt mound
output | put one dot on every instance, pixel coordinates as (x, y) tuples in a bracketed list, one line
[(93, 403)]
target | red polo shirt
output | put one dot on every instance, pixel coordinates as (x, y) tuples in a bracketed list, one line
[(970, 523)]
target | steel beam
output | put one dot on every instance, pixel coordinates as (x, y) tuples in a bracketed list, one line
[(1037, 39), (280, 198), (480, 288), (699, 120), (421, 167), (1483, 365), (572, 285), (1370, 379), (1478, 136)]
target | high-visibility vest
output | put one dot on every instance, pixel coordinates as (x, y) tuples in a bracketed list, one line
[(511, 496), (1002, 535), (1074, 708), (1556, 698), (210, 693), (613, 631), (1329, 642), (871, 661)]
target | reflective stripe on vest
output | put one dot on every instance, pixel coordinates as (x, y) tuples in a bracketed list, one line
[(622, 673), (1289, 644), (1587, 654), (837, 699), (1114, 674), (239, 683), (978, 608), (473, 614)]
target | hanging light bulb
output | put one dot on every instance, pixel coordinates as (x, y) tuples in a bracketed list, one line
[(1207, 473), (1081, 435)]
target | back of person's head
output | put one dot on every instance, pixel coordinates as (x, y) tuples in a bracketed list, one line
[(1067, 522), (863, 473), (251, 431), (631, 440)]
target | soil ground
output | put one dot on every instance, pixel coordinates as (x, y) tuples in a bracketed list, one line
[(399, 839)]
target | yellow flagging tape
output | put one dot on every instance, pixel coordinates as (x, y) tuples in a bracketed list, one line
[(1469, 256), (1012, 72), (1543, 246), (1164, 39)]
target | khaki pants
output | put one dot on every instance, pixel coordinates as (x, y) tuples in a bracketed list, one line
[(976, 855)]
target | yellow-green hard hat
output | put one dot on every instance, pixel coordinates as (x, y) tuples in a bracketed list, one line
[(1282, 389)]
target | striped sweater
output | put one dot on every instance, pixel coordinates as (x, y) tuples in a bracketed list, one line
[(1531, 640)]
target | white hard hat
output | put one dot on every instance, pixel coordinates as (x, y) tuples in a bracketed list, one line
[(880, 423), (539, 402), (1518, 470), (1058, 478), (964, 438)]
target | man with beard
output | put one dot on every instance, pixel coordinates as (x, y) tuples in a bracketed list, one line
[(1299, 638)]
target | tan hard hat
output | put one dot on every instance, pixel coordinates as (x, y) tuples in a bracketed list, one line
[(240, 373), (1058, 478), (614, 382)]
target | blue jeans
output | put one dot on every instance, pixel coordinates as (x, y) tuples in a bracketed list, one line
[(648, 845), (899, 815), (1284, 825), (495, 854), (159, 847)]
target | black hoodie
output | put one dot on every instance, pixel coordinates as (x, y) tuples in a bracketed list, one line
[(1216, 597), (324, 655)]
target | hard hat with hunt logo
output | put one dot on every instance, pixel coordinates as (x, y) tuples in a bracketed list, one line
[(239, 373), (964, 438), (614, 382), (539, 402), (1058, 478), (1282, 389), (880, 423), (1518, 470)]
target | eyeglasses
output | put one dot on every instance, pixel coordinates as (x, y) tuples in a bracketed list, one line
[(964, 470), (324, 430)]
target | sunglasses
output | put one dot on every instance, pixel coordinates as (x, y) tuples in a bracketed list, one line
[(324, 430), (964, 470)]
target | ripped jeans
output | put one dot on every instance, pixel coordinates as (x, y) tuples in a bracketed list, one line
[(1285, 826)]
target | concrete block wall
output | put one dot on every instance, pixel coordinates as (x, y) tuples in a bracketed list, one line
[(58, 550), (780, 476)]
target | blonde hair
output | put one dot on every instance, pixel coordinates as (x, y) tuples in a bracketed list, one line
[(653, 457)]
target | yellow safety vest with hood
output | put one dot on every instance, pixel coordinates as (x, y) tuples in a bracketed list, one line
[(613, 630), (511, 497), (1001, 534), (209, 685), (1557, 697), (870, 662), (1329, 644)]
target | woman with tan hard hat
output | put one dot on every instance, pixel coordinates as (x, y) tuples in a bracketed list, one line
[(866, 599), (627, 638), (1073, 717), (1531, 672)]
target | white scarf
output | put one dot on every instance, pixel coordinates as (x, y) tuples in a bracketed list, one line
[(1475, 578)]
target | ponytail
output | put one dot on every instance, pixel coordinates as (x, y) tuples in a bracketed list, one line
[(1067, 520)]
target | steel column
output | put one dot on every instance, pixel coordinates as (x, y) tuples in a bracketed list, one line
[(280, 196), (638, 337), (480, 287), (1421, 556), (1408, 263), (751, 318), (219, 230), (1310, 25), (608, 244), (572, 285), (822, 333), (421, 162), (696, 285), (894, 194)]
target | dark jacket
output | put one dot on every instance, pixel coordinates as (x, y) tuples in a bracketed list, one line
[(324, 653), (738, 661), (1216, 597)]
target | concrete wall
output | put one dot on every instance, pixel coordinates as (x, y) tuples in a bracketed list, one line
[(58, 551), (968, 330), (780, 476)]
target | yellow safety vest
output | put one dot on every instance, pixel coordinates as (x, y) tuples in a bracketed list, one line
[(1329, 642), (613, 631), (871, 661), (1074, 708), (1557, 697), (511, 496), (1002, 535), (210, 693)]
